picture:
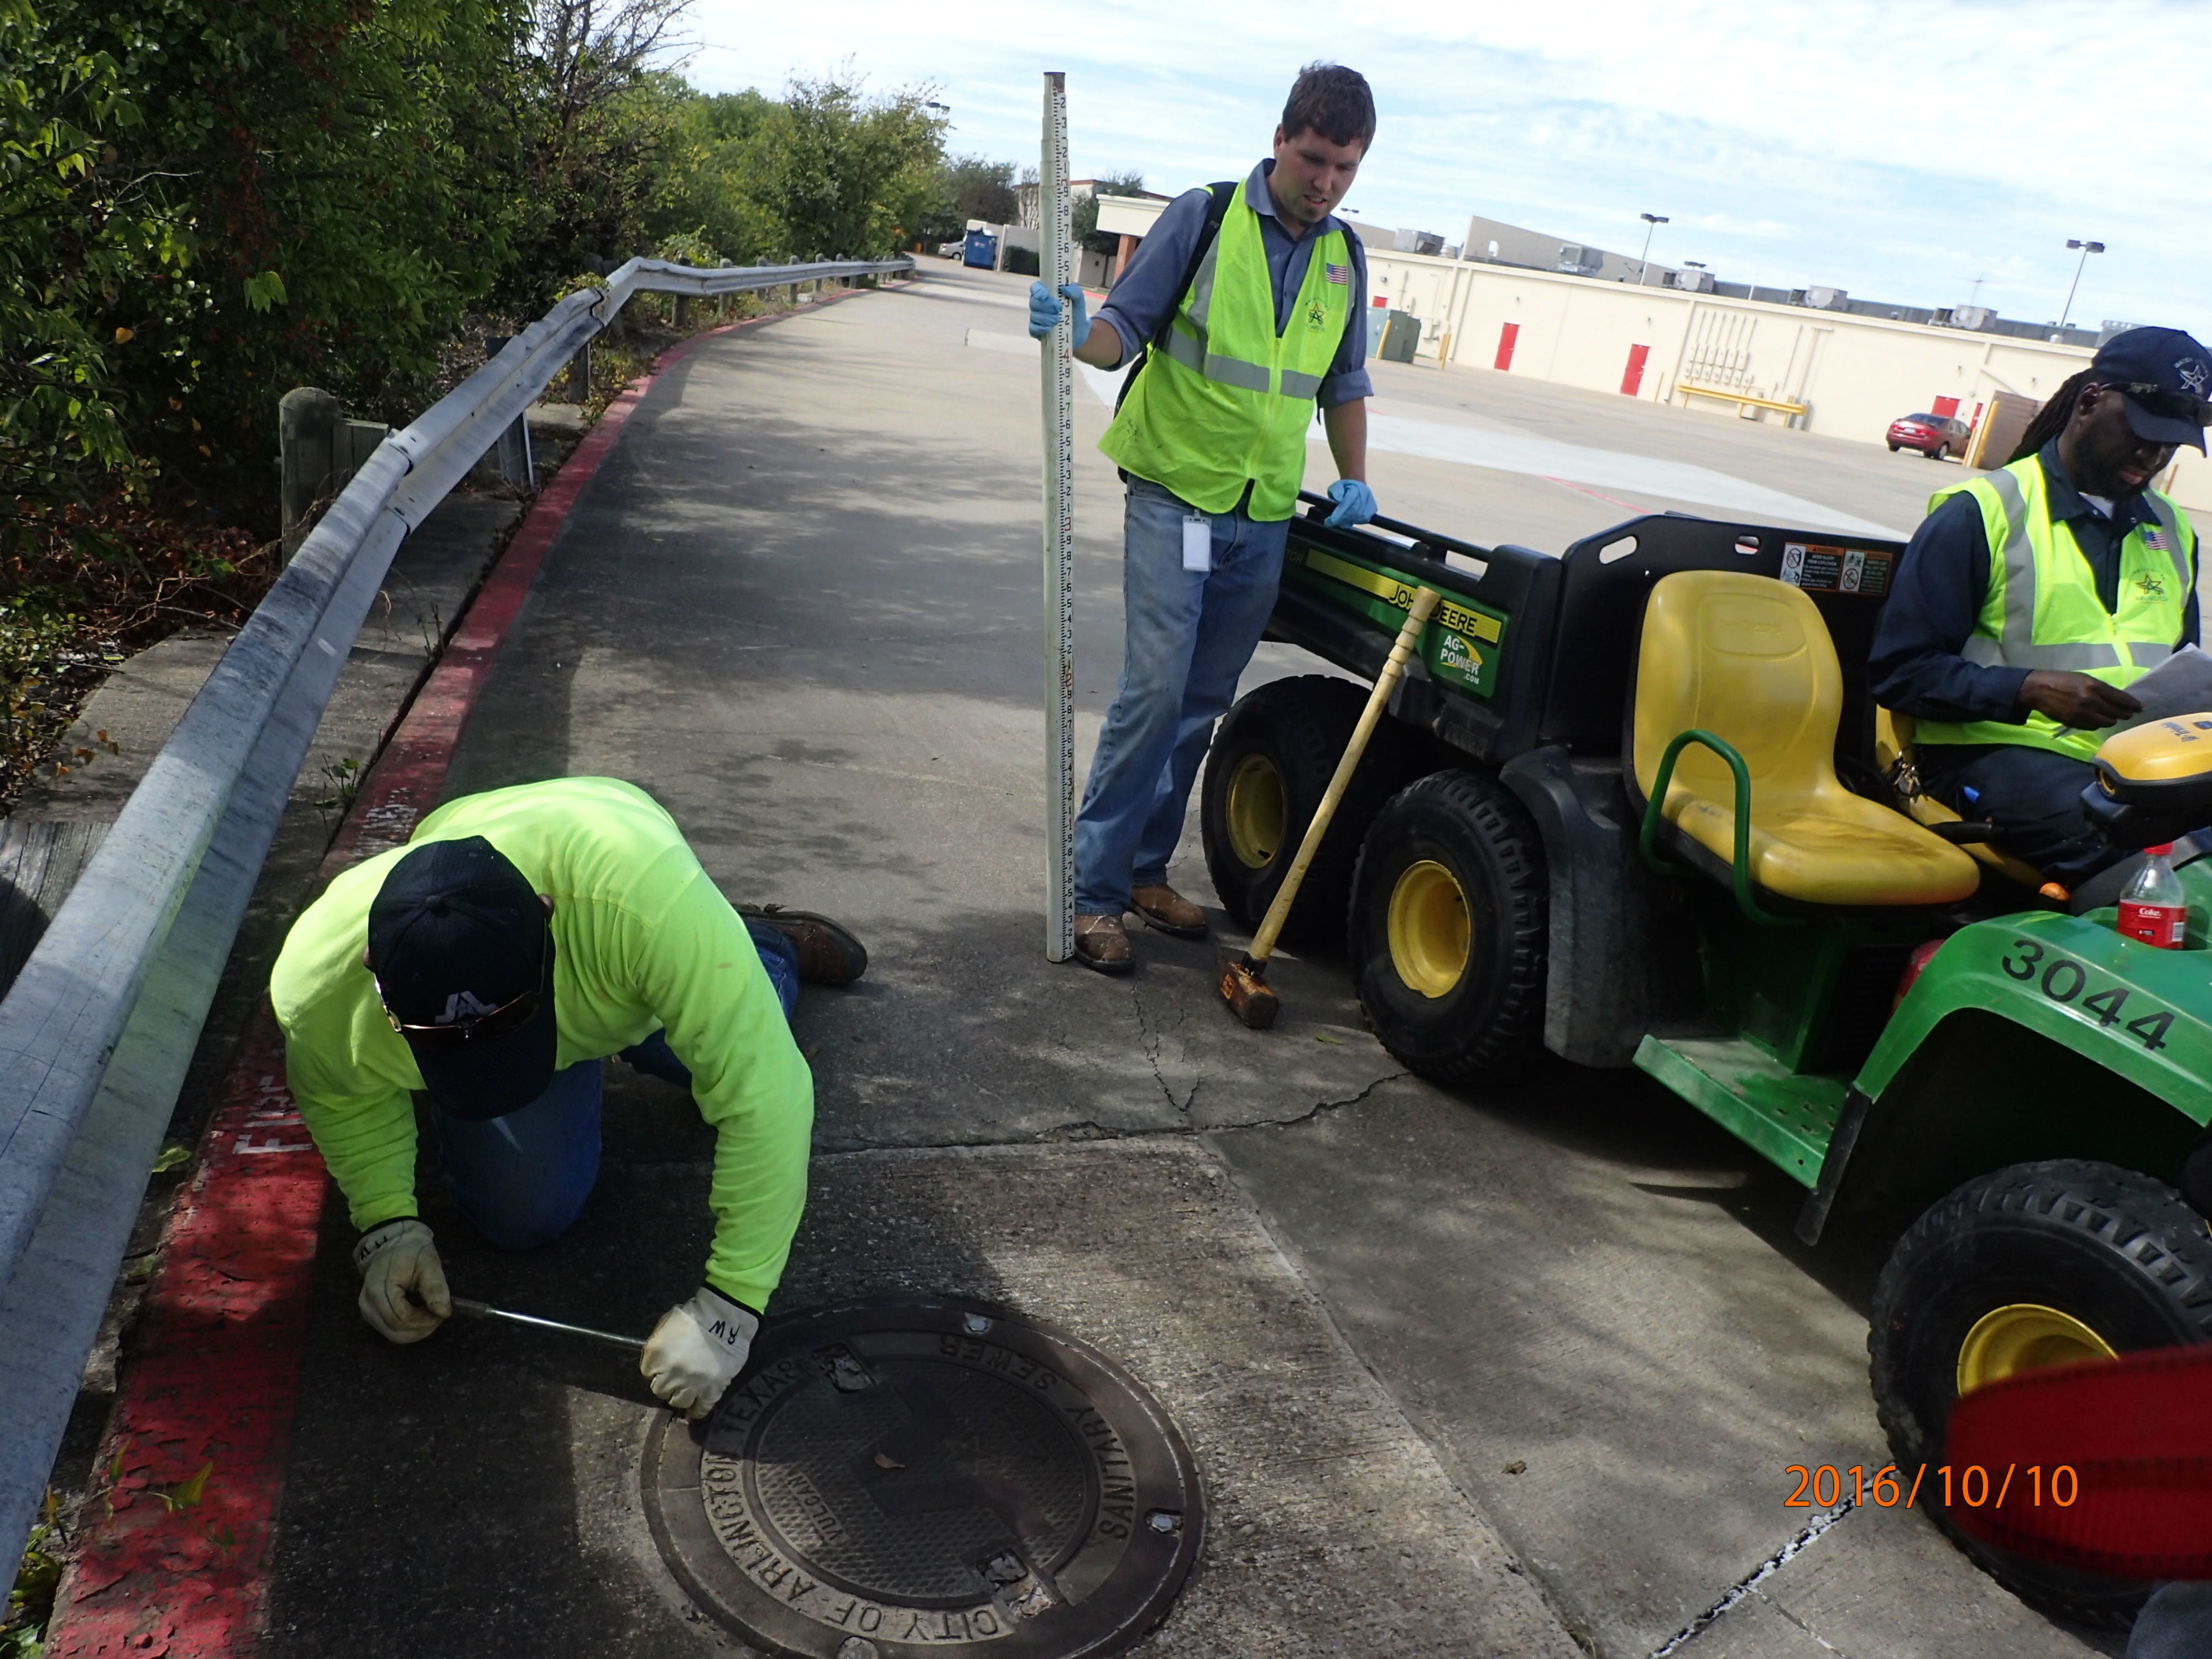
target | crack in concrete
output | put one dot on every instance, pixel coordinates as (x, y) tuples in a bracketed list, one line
[(1744, 1586), (1089, 1129), (1153, 1038), (1317, 1108)]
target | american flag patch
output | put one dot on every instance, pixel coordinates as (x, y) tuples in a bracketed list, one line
[(1337, 274), (2156, 539)]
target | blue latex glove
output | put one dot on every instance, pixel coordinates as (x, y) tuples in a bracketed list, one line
[(1355, 504), (1044, 312)]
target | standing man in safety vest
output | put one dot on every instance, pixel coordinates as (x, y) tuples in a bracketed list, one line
[(1251, 302), (2032, 597)]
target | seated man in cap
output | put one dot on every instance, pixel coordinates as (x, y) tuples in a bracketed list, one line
[(2030, 597), (522, 936)]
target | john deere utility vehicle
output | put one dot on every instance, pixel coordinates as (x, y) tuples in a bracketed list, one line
[(1635, 807)]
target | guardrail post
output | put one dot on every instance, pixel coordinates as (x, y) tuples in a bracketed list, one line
[(683, 318), (309, 425), (577, 389), (509, 461)]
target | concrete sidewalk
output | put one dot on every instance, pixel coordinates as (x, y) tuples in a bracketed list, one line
[(1464, 1376)]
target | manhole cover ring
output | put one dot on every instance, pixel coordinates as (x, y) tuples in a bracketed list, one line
[(947, 1477)]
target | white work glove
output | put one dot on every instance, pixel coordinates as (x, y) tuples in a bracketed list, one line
[(696, 1348), (393, 1260)]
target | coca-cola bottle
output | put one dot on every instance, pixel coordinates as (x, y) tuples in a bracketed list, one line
[(2152, 909)]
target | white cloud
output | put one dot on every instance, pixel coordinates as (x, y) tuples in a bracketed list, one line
[(1899, 150)]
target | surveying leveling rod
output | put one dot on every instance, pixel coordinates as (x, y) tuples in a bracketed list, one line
[(1244, 984), (1056, 267)]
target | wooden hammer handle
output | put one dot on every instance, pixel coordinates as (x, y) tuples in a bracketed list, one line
[(1271, 926)]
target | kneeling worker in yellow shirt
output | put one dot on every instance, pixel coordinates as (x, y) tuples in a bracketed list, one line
[(521, 938)]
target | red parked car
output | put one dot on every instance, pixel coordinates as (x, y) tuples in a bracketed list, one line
[(1938, 437)]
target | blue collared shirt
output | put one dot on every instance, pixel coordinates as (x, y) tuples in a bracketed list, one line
[(1151, 289), (1941, 585)]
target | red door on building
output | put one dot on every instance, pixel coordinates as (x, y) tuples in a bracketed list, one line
[(1944, 408), (1506, 337), (1631, 379)]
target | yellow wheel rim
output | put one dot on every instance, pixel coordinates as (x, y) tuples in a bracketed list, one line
[(1429, 932), (2025, 1336), (1255, 811)]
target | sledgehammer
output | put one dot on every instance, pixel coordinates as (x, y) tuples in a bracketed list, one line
[(1245, 983)]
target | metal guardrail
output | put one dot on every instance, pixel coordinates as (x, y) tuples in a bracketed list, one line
[(97, 1031)]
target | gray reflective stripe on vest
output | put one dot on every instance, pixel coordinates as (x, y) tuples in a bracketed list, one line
[(2018, 557), (1985, 653), (1201, 287), (2163, 510), (2018, 648), (1190, 351)]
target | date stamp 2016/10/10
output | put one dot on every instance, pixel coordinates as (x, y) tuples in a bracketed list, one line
[(1971, 1484)]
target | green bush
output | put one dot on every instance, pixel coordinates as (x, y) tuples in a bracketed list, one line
[(210, 201)]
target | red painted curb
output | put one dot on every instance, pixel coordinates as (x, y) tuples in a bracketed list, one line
[(191, 1471)]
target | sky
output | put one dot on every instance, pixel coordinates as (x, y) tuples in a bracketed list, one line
[(1897, 149)]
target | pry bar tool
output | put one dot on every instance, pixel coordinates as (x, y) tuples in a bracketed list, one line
[(474, 1310)]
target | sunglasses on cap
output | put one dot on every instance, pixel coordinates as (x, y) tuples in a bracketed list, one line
[(488, 1026), (2155, 399)]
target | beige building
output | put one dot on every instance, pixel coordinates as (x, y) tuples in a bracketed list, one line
[(1832, 372)]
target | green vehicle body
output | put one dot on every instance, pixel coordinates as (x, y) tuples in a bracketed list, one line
[(2031, 1033)]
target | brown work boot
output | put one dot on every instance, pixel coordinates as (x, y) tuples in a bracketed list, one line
[(828, 953), (1163, 908), (1102, 946)]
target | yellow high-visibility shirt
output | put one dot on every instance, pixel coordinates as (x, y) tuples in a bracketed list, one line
[(642, 941)]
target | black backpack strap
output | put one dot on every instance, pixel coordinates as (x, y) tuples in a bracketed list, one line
[(1218, 197)]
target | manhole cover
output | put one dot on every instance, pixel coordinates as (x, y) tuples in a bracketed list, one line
[(939, 1475)]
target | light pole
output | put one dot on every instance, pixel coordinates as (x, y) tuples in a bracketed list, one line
[(2088, 248), (1652, 222)]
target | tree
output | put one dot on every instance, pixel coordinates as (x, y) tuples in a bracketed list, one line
[(281, 190), (702, 187), (842, 175), (69, 227), (1085, 219), (969, 187), (600, 111)]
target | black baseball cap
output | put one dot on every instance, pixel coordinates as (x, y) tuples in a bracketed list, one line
[(2165, 377), (463, 958)]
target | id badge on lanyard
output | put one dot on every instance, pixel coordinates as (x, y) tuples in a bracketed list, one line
[(1197, 543)]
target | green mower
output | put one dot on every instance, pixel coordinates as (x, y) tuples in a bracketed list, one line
[(1634, 805)]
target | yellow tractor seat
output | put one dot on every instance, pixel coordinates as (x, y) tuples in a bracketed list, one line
[(1748, 659)]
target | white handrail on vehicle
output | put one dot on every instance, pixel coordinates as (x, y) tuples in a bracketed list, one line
[(97, 1030)]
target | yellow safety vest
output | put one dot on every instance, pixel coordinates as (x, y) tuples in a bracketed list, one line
[(2042, 609), (1226, 400)]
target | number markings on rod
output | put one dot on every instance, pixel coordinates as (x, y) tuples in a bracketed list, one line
[(1059, 413)]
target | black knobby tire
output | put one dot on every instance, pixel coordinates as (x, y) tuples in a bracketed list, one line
[(1295, 732), (1486, 1021), (2117, 1251)]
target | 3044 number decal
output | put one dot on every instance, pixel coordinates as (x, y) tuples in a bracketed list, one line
[(2063, 980)]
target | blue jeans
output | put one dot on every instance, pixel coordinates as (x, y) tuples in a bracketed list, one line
[(2176, 1623), (2032, 795), (522, 1179), (1188, 636)]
